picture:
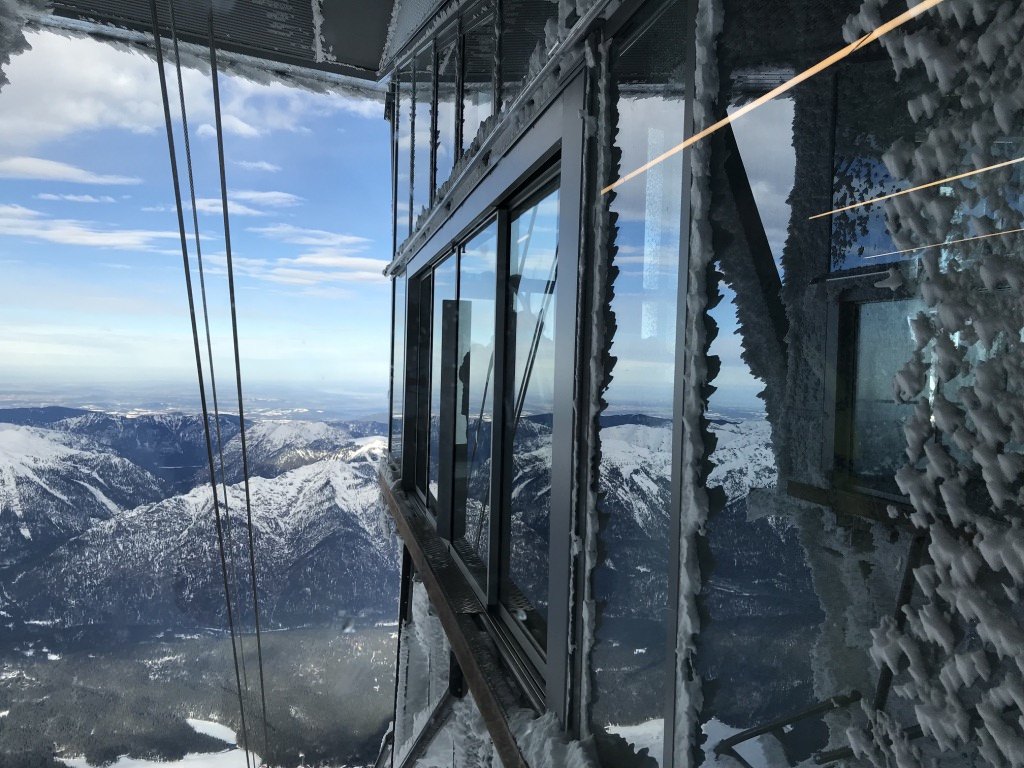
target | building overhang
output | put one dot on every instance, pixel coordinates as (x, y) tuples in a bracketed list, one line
[(323, 39)]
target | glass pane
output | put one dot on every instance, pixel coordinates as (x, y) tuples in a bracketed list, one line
[(631, 580), (403, 164), (478, 79), (885, 341), (447, 94), (444, 291), (533, 261), (474, 399), (832, 614), (423, 671), (524, 32), (424, 66), (398, 371), (420, 320)]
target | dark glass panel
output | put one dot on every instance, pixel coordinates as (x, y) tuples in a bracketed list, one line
[(474, 399), (478, 78), (533, 261), (445, 279)]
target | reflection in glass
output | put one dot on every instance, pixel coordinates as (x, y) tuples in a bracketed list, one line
[(533, 262), (631, 580), (474, 399), (444, 291), (447, 94), (478, 79), (403, 156), (422, 140), (398, 371)]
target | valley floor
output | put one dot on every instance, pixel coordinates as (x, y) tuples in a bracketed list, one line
[(329, 698)]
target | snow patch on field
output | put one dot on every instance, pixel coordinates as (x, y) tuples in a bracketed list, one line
[(229, 758)]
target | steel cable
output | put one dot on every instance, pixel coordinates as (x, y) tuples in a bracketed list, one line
[(158, 45), (232, 561), (238, 370)]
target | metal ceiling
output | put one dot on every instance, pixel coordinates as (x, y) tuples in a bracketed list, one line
[(352, 32)]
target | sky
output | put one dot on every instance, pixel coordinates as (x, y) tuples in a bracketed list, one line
[(92, 293)]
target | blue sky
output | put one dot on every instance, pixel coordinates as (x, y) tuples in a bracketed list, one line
[(92, 290)]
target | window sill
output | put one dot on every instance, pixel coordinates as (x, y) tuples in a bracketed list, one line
[(460, 612)]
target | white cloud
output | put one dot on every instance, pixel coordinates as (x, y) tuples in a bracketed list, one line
[(211, 205), (67, 84), (287, 233), (40, 169), (271, 199), (233, 126), (75, 198), (257, 165), (18, 221)]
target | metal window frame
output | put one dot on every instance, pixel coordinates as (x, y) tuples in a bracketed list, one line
[(553, 144)]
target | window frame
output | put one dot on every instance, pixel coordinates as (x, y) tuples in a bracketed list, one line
[(468, 20), (551, 148)]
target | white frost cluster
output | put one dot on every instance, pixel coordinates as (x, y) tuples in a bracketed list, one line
[(958, 662)]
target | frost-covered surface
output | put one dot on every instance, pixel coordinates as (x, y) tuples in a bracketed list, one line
[(423, 663), (958, 660), (13, 15), (463, 740), (694, 503)]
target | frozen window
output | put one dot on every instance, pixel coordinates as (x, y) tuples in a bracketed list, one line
[(474, 410), (423, 139), (631, 680), (524, 27), (403, 153), (447, 99), (885, 341), (478, 78), (398, 370), (533, 262)]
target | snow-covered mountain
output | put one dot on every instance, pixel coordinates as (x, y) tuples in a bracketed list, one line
[(277, 446), (91, 536), (322, 543), (54, 485)]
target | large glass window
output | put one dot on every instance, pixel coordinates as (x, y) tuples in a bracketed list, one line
[(533, 270), (403, 153), (631, 581), (447, 100), (478, 78), (474, 400), (423, 139)]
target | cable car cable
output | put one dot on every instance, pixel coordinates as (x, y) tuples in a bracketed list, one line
[(206, 322), (158, 45), (238, 368)]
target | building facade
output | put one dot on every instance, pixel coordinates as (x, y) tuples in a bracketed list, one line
[(707, 382)]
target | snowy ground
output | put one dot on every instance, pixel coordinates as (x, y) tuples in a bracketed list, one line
[(231, 757)]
